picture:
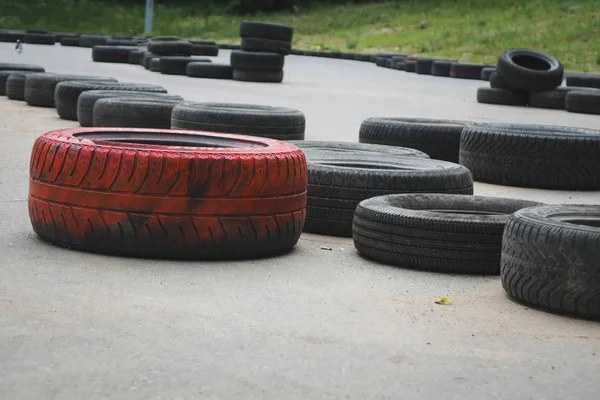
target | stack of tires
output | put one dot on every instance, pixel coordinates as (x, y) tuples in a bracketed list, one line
[(264, 47), (169, 55)]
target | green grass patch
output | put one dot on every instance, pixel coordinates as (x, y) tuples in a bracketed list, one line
[(465, 30)]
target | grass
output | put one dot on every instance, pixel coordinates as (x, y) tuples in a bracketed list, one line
[(465, 30)]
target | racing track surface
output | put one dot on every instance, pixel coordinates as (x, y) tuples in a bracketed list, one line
[(316, 323)]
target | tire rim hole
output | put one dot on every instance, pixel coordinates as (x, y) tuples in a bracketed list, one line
[(169, 139), (530, 62)]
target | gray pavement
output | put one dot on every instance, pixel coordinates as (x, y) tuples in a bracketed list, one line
[(315, 323)]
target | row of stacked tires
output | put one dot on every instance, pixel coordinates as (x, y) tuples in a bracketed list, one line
[(405, 193)]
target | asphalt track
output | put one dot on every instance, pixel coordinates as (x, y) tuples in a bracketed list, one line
[(321, 322)]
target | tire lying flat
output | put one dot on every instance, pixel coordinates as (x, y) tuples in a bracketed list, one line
[(551, 259), (21, 67), (264, 30), (112, 54), (584, 80), (209, 70), (317, 148), (176, 65), (466, 71), (258, 76), (555, 99), (251, 44), (247, 119), (15, 85), (440, 139), (500, 96), (39, 88), (133, 112), (583, 101), (536, 156), (256, 61), (336, 184), (435, 232), (132, 193)]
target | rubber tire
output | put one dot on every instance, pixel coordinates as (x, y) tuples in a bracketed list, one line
[(403, 230), (410, 66), (584, 80), (204, 42), (122, 42), (550, 262), (69, 41), (336, 184), (535, 156), (147, 57), (460, 70), (498, 83), (15, 85), (318, 148), (441, 68), (40, 38), (154, 64), (266, 31), (209, 70), (501, 96), (583, 101), (133, 112), (440, 139), (3, 78), (266, 46), (39, 88), (256, 61), (164, 39), (554, 99), (66, 94), (362, 57), (176, 65), (136, 57), (258, 76), (525, 78), (112, 54), (424, 65), (12, 36), (205, 50), (487, 72), (170, 48), (21, 67), (246, 119), (202, 202), (92, 40)]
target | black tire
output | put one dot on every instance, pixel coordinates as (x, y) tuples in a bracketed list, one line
[(112, 54), (441, 68), (92, 40), (39, 88), (154, 64), (258, 76), (176, 65), (400, 65), (496, 82), (147, 57), (136, 56), (15, 85), (536, 156), (209, 70), (164, 39), (3, 78), (69, 41), (87, 99), (424, 65), (122, 42), (40, 38), (318, 148), (583, 101), (256, 61), (204, 42), (530, 70), (336, 184), (246, 119), (487, 72), (66, 94), (584, 80), (503, 97), (435, 232), (550, 259), (170, 48), (556, 98), (266, 46), (362, 57), (466, 71), (12, 36), (266, 31), (440, 139), (133, 113), (35, 31), (58, 36), (21, 67), (410, 66), (205, 50)]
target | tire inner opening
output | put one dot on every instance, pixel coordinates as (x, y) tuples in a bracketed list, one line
[(169, 139), (465, 212), (531, 62), (594, 222)]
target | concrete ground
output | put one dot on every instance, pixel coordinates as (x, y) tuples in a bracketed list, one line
[(321, 322)]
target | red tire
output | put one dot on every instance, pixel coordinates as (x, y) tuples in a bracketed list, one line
[(167, 193)]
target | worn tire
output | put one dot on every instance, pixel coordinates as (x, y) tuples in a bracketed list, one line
[(583, 101), (435, 232), (529, 70), (15, 85), (147, 57), (209, 70), (258, 76), (40, 38), (12, 36), (584, 80), (266, 46), (556, 98), (136, 56), (336, 184), (536, 156), (496, 82), (122, 42), (440, 139), (551, 259), (220, 196), (256, 61), (487, 72), (133, 112), (4, 77), (154, 64), (410, 65), (176, 65), (70, 41), (246, 119), (66, 94), (87, 99), (112, 54), (501, 96), (466, 71), (317, 148), (39, 88), (92, 40), (424, 65), (441, 68), (21, 67), (205, 50), (266, 31), (170, 48)]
